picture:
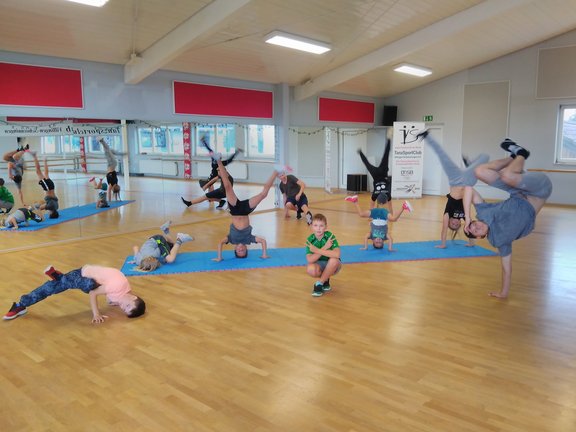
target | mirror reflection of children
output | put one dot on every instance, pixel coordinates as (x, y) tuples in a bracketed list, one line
[(379, 220), (322, 255), (21, 216), (111, 175), (213, 195), (240, 234), (50, 199), (90, 279), (159, 249), (208, 184), (101, 187), (6, 198), (15, 161)]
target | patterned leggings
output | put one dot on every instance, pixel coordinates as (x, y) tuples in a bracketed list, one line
[(73, 279)]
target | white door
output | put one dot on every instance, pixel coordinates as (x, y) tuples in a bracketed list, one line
[(350, 162), (432, 175)]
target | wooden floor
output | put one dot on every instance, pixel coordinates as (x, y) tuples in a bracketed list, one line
[(400, 346)]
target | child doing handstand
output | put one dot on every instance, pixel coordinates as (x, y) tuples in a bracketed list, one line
[(322, 255), (90, 279), (50, 198), (379, 220), (159, 249), (111, 175)]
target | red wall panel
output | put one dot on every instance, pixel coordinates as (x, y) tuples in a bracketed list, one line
[(202, 99), (340, 110), (40, 86)]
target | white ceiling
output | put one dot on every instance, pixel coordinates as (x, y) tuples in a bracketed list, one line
[(225, 38)]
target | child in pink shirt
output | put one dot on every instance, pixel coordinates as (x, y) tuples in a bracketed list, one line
[(91, 279)]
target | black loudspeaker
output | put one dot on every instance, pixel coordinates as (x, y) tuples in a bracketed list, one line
[(356, 182), (389, 116)]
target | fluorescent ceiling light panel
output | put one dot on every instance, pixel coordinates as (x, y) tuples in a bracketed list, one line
[(413, 70), (97, 3), (297, 42)]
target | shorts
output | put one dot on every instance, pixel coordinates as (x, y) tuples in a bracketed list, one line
[(323, 264), (219, 193), (241, 208), (112, 178), (534, 184), (303, 201), (47, 184), (51, 203)]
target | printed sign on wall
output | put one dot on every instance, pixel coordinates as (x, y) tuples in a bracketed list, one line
[(407, 160)]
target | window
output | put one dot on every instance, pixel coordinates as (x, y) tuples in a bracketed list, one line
[(221, 139), (161, 139), (48, 144), (566, 146), (261, 141)]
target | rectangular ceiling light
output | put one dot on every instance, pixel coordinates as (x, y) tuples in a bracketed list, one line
[(413, 70), (97, 3), (297, 42)]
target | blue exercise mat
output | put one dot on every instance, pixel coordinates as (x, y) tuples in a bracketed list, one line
[(191, 262), (67, 215)]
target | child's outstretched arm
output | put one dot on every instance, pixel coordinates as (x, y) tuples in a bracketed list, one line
[(262, 241), (97, 318), (366, 238), (390, 243), (220, 245)]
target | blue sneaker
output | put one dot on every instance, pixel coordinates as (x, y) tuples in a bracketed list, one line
[(318, 289), (326, 287)]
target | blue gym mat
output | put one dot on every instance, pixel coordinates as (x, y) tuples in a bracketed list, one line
[(67, 215), (192, 262)]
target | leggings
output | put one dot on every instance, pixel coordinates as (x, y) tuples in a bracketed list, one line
[(379, 173), (456, 175), (73, 279)]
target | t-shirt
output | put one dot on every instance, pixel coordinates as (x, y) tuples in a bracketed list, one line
[(291, 187), (114, 283), (379, 223), (6, 195), (454, 207), (508, 220), (243, 236), (319, 243), (155, 247)]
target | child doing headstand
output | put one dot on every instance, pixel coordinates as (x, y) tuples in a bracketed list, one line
[(90, 279), (322, 255), (50, 198), (379, 220), (240, 234), (159, 249)]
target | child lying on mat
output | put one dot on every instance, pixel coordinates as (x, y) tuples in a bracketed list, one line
[(240, 234), (159, 249), (90, 279), (21, 216), (379, 220)]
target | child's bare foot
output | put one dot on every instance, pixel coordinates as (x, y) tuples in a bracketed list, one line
[(497, 295)]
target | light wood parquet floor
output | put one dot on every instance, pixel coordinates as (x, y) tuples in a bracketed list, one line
[(399, 346)]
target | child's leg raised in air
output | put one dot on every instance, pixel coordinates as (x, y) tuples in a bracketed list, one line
[(257, 199)]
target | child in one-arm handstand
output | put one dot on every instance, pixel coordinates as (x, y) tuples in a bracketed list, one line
[(90, 279), (159, 249), (322, 255), (240, 234), (380, 218)]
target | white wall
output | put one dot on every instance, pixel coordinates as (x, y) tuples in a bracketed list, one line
[(532, 123)]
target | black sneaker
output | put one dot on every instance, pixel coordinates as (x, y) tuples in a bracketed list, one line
[(317, 291), (466, 161), (15, 312), (514, 149), (298, 214), (188, 203), (326, 287), (221, 204), (309, 218)]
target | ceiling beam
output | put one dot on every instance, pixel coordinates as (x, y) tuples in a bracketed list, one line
[(402, 47), (179, 40)]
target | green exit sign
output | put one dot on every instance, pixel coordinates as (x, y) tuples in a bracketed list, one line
[(428, 118)]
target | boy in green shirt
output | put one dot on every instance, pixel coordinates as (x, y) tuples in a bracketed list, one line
[(322, 255), (6, 198)]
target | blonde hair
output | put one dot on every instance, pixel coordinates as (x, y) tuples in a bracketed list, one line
[(149, 264), (320, 217)]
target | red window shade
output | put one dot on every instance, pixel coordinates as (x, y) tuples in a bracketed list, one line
[(201, 99), (340, 110), (40, 86)]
